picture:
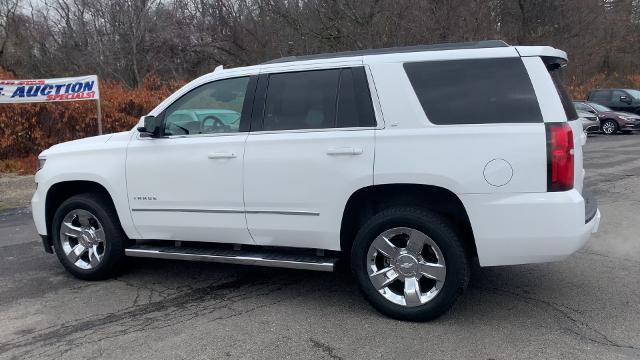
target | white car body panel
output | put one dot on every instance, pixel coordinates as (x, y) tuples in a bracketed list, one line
[(99, 159), (427, 156), (528, 227), (196, 192), (291, 193), (290, 188)]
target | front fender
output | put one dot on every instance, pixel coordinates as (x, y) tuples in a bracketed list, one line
[(103, 164)]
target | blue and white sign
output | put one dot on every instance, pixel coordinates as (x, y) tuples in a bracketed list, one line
[(48, 90)]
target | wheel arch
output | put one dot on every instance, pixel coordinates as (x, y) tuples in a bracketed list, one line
[(61, 191), (615, 120), (368, 201)]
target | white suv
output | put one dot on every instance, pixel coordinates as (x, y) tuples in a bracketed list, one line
[(407, 162)]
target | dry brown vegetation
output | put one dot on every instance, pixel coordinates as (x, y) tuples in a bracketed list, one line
[(44, 124)]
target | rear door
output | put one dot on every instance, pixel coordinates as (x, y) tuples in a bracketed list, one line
[(310, 147)]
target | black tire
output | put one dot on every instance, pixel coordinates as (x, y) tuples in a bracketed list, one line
[(113, 258), (441, 232), (613, 123)]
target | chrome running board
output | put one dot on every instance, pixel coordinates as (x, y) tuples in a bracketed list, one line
[(243, 257)]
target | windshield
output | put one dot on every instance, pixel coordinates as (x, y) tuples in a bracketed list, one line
[(598, 107), (634, 93)]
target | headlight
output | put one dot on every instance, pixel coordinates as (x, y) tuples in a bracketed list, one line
[(624, 118), (41, 161)]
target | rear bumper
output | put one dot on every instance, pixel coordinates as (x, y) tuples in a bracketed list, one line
[(526, 228), (590, 206)]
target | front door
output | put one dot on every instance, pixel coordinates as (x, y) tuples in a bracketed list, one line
[(621, 100), (187, 184)]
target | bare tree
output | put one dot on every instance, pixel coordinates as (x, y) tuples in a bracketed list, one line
[(179, 39)]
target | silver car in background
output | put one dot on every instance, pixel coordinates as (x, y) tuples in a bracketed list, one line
[(590, 122)]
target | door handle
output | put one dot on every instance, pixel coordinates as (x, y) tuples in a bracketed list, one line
[(222, 155), (344, 151)]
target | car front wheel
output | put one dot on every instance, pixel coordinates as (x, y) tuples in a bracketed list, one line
[(610, 127), (409, 263), (87, 237)]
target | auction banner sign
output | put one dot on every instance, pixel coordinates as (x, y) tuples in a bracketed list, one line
[(47, 90)]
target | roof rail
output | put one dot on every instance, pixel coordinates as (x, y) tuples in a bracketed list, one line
[(403, 49)]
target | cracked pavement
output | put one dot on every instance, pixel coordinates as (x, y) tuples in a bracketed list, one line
[(586, 307)]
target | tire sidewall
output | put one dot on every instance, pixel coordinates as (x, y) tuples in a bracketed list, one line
[(113, 240), (436, 228)]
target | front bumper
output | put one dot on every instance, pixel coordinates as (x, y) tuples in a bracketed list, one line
[(38, 210), (39, 217), (629, 126)]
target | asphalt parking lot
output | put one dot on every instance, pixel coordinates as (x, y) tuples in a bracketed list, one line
[(587, 307)]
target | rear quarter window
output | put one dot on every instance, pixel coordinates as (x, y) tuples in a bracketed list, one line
[(557, 73), (474, 91)]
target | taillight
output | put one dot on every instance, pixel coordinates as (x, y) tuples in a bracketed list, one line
[(559, 157)]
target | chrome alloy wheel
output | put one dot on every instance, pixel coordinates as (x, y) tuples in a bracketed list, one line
[(608, 127), (82, 238), (406, 266)]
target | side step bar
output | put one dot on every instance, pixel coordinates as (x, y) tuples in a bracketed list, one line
[(270, 259)]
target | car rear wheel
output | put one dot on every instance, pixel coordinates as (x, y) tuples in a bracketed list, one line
[(609, 127), (410, 263), (87, 237)]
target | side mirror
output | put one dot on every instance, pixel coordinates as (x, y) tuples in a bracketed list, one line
[(625, 99), (591, 111), (150, 128)]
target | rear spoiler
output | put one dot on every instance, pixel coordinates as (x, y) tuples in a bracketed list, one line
[(541, 51)]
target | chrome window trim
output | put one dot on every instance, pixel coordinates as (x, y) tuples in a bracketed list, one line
[(261, 132)]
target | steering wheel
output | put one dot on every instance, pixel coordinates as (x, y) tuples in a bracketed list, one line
[(216, 125)]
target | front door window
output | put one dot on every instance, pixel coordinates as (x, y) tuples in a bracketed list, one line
[(211, 108)]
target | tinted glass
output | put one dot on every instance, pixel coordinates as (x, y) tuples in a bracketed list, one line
[(475, 91), (616, 94), (301, 100), (557, 74), (582, 107), (600, 96), (318, 99), (634, 93), (599, 107), (211, 108), (354, 100)]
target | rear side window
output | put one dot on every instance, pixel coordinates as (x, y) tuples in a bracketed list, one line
[(557, 74), (318, 99), (475, 91), (354, 107), (600, 96), (582, 107)]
